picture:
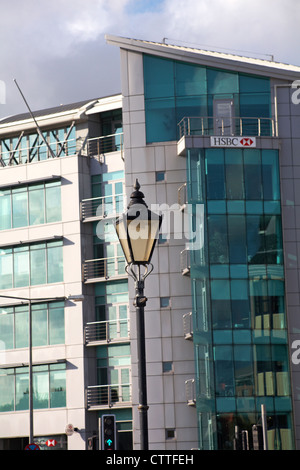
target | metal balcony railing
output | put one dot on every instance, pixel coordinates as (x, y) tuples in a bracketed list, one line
[(98, 146), (107, 396), (237, 126), (185, 262), (188, 325), (106, 331), (182, 195), (190, 392), (113, 267), (101, 207)]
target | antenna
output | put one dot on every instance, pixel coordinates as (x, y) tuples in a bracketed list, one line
[(37, 126)]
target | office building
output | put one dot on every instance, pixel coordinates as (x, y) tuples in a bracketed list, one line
[(223, 131), (213, 140), (60, 179)]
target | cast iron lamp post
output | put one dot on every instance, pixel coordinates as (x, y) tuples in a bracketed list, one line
[(137, 230)]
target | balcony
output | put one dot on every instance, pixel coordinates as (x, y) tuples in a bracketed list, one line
[(182, 196), (190, 392), (102, 207), (188, 326), (185, 262), (38, 152), (101, 269), (108, 396), (99, 146), (230, 126), (103, 332), (15, 151)]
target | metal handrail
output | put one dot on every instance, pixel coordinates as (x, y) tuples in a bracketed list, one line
[(185, 261), (239, 126), (188, 325), (104, 331), (108, 395), (190, 391), (104, 268), (98, 146), (182, 194), (102, 206)]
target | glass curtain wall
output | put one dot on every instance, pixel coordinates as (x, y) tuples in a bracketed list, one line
[(30, 205), (239, 297), (31, 148), (175, 90)]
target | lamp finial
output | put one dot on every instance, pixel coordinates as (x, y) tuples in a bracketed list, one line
[(137, 196)]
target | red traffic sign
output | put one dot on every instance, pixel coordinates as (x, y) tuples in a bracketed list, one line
[(51, 443), (32, 447)]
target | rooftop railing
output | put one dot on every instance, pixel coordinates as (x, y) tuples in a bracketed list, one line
[(236, 126)]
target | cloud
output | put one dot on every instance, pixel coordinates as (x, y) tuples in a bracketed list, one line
[(57, 51)]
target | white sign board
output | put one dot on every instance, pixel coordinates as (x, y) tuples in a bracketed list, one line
[(235, 142)]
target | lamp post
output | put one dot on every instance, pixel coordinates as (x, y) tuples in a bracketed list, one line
[(29, 302), (137, 230)]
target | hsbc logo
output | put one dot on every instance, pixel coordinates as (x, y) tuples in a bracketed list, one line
[(249, 142), (51, 443)]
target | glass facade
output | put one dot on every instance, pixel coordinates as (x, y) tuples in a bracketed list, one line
[(174, 90), (238, 283), (29, 265), (31, 148), (30, 205), (48, 383), (48, 325)]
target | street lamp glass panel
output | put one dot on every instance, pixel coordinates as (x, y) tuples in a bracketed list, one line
[(138, 229), (138, 237), (121, 229), (142, 235)]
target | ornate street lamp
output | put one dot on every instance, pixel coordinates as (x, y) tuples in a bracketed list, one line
[(137, 230)]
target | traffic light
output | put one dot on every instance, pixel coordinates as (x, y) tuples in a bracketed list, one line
[(108, 432)]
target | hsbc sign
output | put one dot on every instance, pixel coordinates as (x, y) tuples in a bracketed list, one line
[(236, 142), (51, 443)]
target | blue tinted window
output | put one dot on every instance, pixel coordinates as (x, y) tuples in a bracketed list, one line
[(190, 90), (217, 239), (161, 121), (215, 174), (234, 174), (252, 172), (220, 82), (159, 77), (237, 239), (270, 172), (249, 83), (190, 79)]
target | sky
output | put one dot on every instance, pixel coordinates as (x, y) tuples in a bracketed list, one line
[(57, 53)]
